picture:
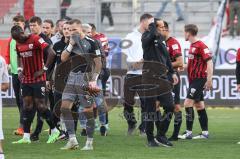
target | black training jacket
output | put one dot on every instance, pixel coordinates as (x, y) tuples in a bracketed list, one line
[(154, 48)]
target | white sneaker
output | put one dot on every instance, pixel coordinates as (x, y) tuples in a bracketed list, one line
[(111, 28), (87, 147), (72, 144), (201, 136), (185, 136), (2, 156)]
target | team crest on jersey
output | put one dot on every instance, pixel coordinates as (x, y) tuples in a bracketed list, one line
[(30, 46)]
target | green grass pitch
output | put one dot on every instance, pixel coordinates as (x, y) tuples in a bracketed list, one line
[(224, 126)]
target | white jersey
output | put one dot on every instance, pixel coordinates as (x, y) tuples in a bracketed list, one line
[(4, 78), (134, 52)]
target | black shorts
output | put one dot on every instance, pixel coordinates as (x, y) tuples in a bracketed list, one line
[(196, 88), (36, 90), (176, 91)]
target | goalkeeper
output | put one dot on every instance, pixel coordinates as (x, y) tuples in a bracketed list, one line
[(81, 84)]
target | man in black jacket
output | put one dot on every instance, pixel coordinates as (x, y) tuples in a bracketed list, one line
[(156, 60)]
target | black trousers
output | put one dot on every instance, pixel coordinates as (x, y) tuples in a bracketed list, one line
[(63, 13), (106, 11), (129, 101), (162, 122), (17, 91)]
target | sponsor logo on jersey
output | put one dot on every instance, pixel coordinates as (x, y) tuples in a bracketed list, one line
[(26, 54)]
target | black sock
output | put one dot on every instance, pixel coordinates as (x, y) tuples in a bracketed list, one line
[(106, 117), (56, 120), (75, 125), (177, 123), (28, 116), (130, 116), (157, 122), (164, 123), (95, 111), (203, 119), (189, 118), (39, 125), (47, 115)]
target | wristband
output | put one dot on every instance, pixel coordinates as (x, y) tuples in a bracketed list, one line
[(45, 68), (95, 76), (69, 48), (19, 69)]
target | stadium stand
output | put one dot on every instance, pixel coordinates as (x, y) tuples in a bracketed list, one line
[(5, 6), (125, 13)]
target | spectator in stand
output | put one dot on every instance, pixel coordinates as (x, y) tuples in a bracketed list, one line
[(106, 11), (234, 6), (28, 11), (65, 4), (177, 6)]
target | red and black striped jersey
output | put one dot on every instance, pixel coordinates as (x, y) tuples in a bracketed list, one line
[(104, 41), (31, 55), (198, 56), (173, 48), (238, 66), (238, 55)]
